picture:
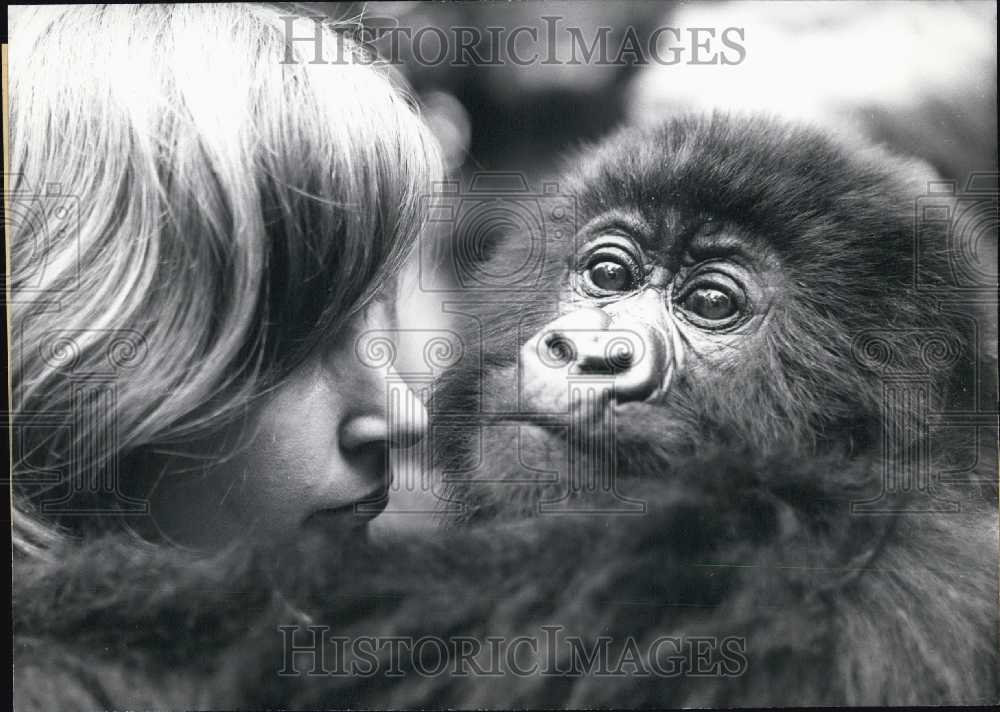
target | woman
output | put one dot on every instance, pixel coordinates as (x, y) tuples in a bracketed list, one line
[(203, 223), (223, 217)]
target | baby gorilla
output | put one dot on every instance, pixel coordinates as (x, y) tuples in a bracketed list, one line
[(692, 453)]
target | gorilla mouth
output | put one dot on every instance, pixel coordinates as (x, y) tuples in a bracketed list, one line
[(616, 427), (605, 417)]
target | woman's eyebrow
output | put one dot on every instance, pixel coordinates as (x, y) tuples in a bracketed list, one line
[(392, 295), (387, 295)]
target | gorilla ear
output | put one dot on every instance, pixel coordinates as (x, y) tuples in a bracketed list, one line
[(920, 172)]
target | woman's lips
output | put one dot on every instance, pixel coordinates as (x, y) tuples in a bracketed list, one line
[(372, 505), (356, 514)]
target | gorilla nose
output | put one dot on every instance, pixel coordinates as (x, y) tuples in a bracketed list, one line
[(585, 347)]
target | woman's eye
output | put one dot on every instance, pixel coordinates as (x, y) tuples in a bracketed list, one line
[(610, 276), (711, 304)]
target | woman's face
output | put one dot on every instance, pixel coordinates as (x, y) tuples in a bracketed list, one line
[(312, 452)]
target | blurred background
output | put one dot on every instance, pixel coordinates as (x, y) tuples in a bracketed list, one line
[(918, 76)]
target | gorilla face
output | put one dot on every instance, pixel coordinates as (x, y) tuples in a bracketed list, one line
[(709, 300), (639, 316)]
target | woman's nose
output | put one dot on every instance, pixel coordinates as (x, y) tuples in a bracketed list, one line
[(399, 421)]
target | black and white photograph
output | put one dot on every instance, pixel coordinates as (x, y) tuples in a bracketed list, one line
[(502, 355)]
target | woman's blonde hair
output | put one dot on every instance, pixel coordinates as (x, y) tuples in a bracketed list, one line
[(220, 212)]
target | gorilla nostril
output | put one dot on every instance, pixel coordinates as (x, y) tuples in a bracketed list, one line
[(559, 349), (619, 354), (639, 364), (609, 358)]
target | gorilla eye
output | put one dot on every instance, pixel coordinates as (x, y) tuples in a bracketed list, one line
[(610, 276), (609, 268), (712, 304)]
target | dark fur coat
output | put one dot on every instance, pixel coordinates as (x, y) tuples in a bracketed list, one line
[(818, 608)]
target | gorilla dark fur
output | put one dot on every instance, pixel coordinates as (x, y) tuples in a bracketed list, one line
[(748, 465)]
